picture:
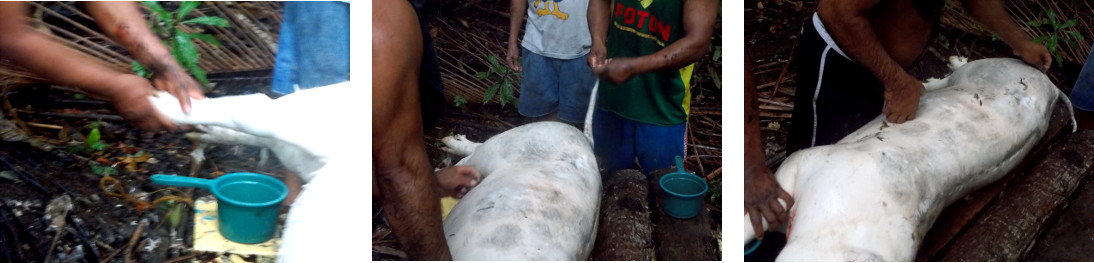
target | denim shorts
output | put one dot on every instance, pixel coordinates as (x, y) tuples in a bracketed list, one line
[(1082, 94), (619, 141), (550, 84)]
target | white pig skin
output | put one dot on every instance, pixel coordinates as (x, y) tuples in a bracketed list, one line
[(538, 200)]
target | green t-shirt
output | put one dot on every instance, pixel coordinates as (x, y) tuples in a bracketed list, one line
[(639, 28)]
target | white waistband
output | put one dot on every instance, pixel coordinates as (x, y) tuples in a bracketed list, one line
[(827, 38)]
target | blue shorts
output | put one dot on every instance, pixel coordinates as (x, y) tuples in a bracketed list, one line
[(550, 84), (618, 141), (313, 46), (1082, 94)]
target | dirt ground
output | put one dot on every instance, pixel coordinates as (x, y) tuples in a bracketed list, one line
[(110, 188)]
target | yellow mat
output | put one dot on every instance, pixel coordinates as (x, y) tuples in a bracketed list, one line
[(207, 236)]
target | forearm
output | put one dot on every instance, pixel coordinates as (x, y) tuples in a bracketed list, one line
[(754, 152), (58, 63), (994, 17), (123, 22), (516, 16), (598, 14), (855, 36)]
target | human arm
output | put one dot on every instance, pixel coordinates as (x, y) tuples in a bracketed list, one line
[(991, 14), (516, 15), (598, 15), (762, 191), (43, 56), (699, 16), (855, 36), (122, 21)]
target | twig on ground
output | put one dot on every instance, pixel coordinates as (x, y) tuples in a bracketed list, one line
[(132, 242), (181, 258)]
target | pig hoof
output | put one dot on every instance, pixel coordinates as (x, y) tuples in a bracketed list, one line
[(459, 145), (957, 62)]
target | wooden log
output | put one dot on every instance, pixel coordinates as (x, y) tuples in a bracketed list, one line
[(624, 232), (681, 239), (1069, 238), (960, 213), (1008, 228)]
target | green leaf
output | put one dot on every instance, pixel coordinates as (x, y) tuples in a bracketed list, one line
[(481, 75), (1040, 39), (1074, 34), (93, 138), (204, 37), (1052, 18), (1035, 23), (506, 92), (174, 215), (1052, 44), (208, 20), (200, 75), (187, 54), (140, 70), (717, 54), (163, 15), (185, 8), (493, 60), (715, 77), (490, 93), (1070, 23)]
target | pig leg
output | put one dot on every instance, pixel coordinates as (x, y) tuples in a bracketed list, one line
[(459, 145)]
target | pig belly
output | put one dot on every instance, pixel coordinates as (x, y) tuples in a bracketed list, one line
[(539, 199), (873, 195)]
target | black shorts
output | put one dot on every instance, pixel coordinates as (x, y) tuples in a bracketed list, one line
[(835, 95), (430, 89)]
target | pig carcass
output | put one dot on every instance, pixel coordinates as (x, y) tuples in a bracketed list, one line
[(538, 200), (873, 195)]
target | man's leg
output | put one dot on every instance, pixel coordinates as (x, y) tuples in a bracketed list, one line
[(576, 82), (401, 167), (539, 91), (1082, 94), (614, 140)]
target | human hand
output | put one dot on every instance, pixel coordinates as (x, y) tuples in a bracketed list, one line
[(512, 57), (597, 55), (455, 181), (1035, 54), (177, 82), (130, 99), (902, 99), (762, 194), (615, 70)]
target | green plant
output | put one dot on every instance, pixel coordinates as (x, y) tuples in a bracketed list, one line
[(1056, 34), (716, 190), (167, 26), (103, 170), (502, 78), (459, 101)]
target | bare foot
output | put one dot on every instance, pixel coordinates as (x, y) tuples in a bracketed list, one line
[(455, 181)]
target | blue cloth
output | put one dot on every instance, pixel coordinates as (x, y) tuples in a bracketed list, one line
[(1082, 94), (550, 84), (618, 141), (313, 46)]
